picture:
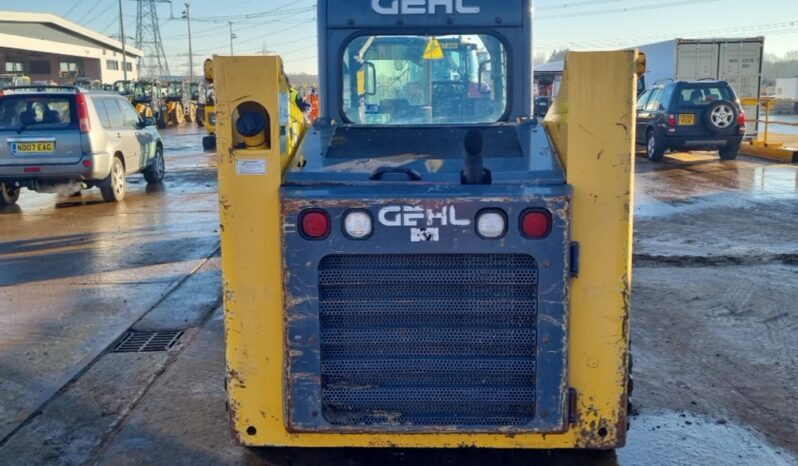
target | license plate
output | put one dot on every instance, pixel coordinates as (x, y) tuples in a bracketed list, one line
[(687, 119), (33, 147)]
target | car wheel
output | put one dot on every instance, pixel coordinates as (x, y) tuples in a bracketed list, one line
[(654, 151), (114, 187), (154, 173), (160, 121), (721, 117), (8, 195), (729, 153), (209, 142)]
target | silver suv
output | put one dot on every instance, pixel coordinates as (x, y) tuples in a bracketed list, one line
[(62, 138)]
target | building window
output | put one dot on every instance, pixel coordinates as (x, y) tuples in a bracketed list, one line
[(69, 67), (129, 66), (14, 67), (112, 65), (39, 67)]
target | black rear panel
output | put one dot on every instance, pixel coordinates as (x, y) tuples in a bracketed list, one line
[(419, 143)]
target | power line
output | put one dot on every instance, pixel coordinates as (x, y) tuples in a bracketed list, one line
[(89, 11), (71, 9), (264, 14), (759, 29), (100, 14), (653, 6)]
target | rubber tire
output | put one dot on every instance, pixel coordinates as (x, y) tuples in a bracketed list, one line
[(155, 172), (111, 189), (8, 196), (707, 118), (654, 150), (160, 121), (728, 154), (209, 142)]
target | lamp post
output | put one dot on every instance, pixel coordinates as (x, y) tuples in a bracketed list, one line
[(122, 36), (190, 53), (232, 36)]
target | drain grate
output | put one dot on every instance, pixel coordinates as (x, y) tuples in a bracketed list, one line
[(148, 342)]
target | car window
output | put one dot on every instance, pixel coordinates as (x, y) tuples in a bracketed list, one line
[(643, 99), (114, 113), (667, 95), (654, 102), (36, 111), (128, 114), (102, 113), (703, 95)]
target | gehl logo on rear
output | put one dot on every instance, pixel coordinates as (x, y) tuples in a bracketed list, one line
[(422, 7), (422, 221)]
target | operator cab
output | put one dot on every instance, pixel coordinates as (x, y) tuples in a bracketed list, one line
[(403, 83), (426, 248)]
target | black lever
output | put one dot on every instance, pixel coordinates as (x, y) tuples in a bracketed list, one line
[(379, 173), (473, 168)]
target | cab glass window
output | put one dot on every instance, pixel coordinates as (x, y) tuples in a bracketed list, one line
[(396, 80)]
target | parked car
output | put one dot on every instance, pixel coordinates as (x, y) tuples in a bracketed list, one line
[(690, 115), (542, 105), (57, 136)]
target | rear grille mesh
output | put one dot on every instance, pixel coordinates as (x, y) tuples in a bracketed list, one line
[(444, 339)]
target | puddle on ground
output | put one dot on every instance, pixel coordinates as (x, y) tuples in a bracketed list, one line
[(686, 439), (664, 439)]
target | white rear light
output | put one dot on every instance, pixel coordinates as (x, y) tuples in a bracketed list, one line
[(358, 224), (491, 224)]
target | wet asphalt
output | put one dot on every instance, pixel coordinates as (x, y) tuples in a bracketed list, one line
[(714, 325)]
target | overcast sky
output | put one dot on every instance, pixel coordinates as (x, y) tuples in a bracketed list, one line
[(288, 26)]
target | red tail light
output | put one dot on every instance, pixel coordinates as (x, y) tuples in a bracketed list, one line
[(314, 224), (741, 121), (671, 120), (536, 223), (83, 113)]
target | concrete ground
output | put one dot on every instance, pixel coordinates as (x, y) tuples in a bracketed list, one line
[(714, 325)]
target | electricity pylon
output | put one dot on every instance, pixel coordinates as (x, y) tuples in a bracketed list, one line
[(148, 39)]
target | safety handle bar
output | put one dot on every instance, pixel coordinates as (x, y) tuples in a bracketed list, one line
[(411, 174)]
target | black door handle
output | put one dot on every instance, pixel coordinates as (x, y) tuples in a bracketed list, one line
[(411, 174)]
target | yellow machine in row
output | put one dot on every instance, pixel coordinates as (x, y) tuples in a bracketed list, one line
[(420, 268)]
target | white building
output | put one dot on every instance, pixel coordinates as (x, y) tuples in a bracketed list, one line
[(46, 47), (786, 88)]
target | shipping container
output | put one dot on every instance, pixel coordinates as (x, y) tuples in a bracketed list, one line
[(786, 89), (737, 61)]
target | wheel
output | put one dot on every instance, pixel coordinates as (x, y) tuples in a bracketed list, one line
[(192, 113), (114, 187), (729, 153), (160, 120), (721, 117), (209, 142), (654, 151), (8, 195), (154, 173)]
